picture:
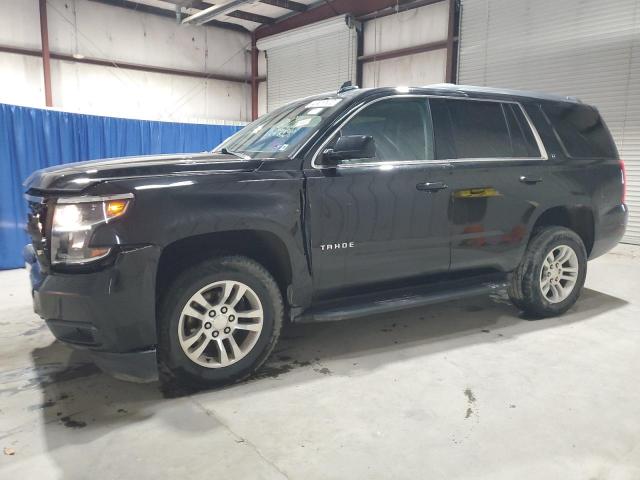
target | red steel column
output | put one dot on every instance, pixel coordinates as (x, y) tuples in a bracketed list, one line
[(46, 60), (450, 74), (254, 77)]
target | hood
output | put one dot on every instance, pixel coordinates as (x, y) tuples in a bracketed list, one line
[(78, 176)]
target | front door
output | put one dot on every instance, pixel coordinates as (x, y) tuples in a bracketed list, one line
[(380, 220)]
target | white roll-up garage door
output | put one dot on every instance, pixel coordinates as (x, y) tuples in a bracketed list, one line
[(584, 48), (310, 60)]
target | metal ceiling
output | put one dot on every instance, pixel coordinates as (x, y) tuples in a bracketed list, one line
[(264, 17), (246, 15)]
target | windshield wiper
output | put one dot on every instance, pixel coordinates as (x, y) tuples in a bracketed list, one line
[(224, 151)]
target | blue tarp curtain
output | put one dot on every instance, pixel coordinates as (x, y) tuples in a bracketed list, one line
[(32, 138)]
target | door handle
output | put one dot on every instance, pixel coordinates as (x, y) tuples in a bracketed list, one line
[(530, 180), (431, 186)]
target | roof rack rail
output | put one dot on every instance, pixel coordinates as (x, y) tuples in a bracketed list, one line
[(346, 86), (452, 87), (471, 89)]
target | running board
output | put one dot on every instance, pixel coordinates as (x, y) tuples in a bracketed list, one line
[(400, 299)]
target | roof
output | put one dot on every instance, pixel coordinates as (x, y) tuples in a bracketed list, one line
[(471, 90), (449, 89)]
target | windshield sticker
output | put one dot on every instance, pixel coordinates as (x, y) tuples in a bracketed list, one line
[(327, 102), (303, 122), (283, 147), (315, 111), (285, 129)]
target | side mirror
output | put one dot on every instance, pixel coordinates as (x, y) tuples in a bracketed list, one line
[(348, 147)]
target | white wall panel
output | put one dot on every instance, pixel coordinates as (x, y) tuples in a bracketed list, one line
[(411, 70), (127, 93), (19, 23), (262, 98), (584, 48), (97, 30), (406, 29), (100, 31), (20, 79), (418, 26)]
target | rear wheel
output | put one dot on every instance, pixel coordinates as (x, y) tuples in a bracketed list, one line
[(551, 275), (220, 321)]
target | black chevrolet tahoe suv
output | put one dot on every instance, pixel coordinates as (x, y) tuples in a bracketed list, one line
[(336, 206)]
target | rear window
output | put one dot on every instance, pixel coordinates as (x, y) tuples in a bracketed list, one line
[(580, 130), (481, 129)]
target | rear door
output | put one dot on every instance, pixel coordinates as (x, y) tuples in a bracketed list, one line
[(496, 181), (380, 220)]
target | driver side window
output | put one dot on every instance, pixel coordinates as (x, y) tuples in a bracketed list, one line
[(400, 127)]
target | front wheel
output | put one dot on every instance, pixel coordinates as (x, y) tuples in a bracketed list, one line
[(551, 275), (219, 321)]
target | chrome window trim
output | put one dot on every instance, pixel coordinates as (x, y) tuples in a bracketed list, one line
[(97, 198), (350, 115), (536, 135)]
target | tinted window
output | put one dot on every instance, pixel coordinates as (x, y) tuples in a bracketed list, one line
[(442, 130), (581, 130), (522, 140), (478, 129), (399, 128)]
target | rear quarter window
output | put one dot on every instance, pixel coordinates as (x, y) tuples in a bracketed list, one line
[(580, 130)]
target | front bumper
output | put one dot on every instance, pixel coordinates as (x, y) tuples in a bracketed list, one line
[(110, 312)]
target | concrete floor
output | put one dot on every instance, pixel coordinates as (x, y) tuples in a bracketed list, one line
[(465, 390)]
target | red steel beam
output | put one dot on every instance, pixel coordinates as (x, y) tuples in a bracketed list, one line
[(326, 10), (254, 77), (401, 52), (127, 66), (46, 57)]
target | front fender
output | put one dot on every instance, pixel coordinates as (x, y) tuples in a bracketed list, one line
[(169, 211)]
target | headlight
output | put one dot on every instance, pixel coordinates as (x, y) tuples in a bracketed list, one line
[(74, 221)]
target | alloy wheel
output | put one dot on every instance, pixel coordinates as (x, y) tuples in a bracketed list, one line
[(220, 324), (559, 273)]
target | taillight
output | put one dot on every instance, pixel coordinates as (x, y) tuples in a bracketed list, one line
[(623, 173)]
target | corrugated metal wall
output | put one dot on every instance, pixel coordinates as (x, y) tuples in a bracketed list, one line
[(309, 60), (586, 48)]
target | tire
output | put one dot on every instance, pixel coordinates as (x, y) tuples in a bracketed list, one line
[(182, 318), (551, 275)]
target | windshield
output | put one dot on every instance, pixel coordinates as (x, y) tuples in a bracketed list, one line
[(279, 133)]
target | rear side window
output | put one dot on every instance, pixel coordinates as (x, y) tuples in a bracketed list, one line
[(523, 142), (479, 129), (580, 130)]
